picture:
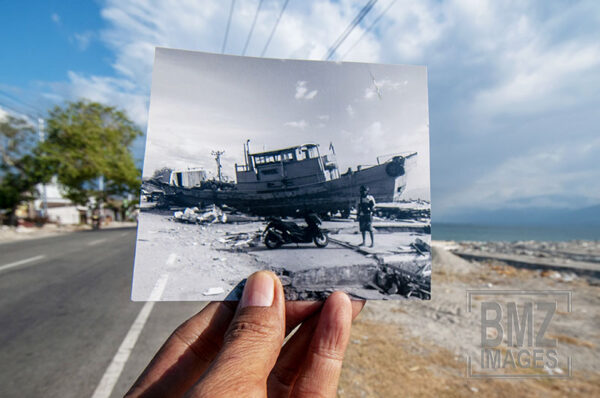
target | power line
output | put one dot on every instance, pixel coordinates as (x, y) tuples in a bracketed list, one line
[(252, 27), (369, 29), (228, 25), (361, 14), (18, 112), (274, 28), (20, 101)]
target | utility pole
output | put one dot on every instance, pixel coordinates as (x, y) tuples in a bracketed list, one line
[(42, 137), (217, 155)]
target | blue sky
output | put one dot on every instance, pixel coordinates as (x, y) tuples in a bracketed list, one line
[(514, 86)]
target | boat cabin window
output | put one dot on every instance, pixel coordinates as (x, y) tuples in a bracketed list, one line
[(275, 158), (304, 152)]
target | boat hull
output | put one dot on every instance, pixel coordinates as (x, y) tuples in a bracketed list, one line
[(386, 183)]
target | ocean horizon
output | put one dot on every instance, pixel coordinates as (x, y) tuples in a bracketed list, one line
[(507, 233)]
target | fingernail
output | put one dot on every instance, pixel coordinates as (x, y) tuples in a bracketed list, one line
[(259, 291)]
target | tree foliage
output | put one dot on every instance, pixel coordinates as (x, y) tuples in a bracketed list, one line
[(20, 166), (86, 141), (163, 174)]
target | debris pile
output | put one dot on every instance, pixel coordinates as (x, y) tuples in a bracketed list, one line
[(418, 210), (393, 280), (315, 283), (193, 215), (421, 247), (241, 240), (212, 214)]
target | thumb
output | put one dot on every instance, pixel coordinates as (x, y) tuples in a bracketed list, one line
[(252, 342)]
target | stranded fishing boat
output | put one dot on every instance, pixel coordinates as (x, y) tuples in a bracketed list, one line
[(297, 179)]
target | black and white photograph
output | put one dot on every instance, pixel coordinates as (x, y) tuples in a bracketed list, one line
[(317, 171)]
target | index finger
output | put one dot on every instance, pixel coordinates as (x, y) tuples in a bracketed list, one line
[(189, 351), (320, 372)]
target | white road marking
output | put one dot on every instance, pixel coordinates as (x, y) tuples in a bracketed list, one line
[(124, 234), (112, 373), (171, 259), (21, 262), (95, 242)]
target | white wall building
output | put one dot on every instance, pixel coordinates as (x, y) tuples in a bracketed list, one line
[(60, 209)]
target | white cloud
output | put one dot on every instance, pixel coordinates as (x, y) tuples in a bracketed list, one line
[(108, 90), (83, 39), (540, 80), (323, 117), (300, 124), (311, 95), (369, 140), (350, 110), (55, 18), (542, 173), (302, 91)]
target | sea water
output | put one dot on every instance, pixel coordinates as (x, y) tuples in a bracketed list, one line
[(463, 232)]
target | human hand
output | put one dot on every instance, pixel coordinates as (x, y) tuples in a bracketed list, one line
[(225, 351)]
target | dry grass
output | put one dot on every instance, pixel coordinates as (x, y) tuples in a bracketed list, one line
[(572, 340), (382, 361)]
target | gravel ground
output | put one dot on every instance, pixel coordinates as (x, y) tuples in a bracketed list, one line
[(419, 348), (207, 261)]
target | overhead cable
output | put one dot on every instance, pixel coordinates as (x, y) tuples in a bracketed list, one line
[(252, 27), (359, 17), (21, 102), (375, 21), (228, 25), (274, 28)]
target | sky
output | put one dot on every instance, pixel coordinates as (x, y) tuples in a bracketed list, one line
[(204, 102), (514, 86)]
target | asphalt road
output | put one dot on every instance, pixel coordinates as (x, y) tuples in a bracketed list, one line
[(65, 311)]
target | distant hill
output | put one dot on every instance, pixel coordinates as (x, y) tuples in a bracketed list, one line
[(589, 216)]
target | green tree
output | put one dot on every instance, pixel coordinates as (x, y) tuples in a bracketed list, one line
[(20, 166), (87, 141)]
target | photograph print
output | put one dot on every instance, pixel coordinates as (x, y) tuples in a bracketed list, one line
[(318, 171)]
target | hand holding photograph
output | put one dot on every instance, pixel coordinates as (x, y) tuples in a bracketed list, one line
[(318, 171)]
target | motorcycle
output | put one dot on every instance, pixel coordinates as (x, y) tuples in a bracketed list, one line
[(279, 232)]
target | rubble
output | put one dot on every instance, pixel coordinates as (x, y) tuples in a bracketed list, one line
[(241, 240), (315, 283), (193, 215), (422, 247), (565, 259), (213, 291), (418, 210)]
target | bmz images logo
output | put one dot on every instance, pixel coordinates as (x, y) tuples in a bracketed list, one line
[(515, 342)]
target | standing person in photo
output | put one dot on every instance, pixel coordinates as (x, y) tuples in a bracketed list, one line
[(366, 205)]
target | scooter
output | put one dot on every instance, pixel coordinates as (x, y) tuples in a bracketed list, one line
[(279, 232)]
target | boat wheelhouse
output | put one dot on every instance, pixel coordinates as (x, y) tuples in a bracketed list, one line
[(285, 169)]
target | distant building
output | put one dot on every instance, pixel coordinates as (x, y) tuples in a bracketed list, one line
[(60, 209), (188, 178)]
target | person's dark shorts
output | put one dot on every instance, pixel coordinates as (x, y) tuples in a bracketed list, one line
[(365, 223)]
